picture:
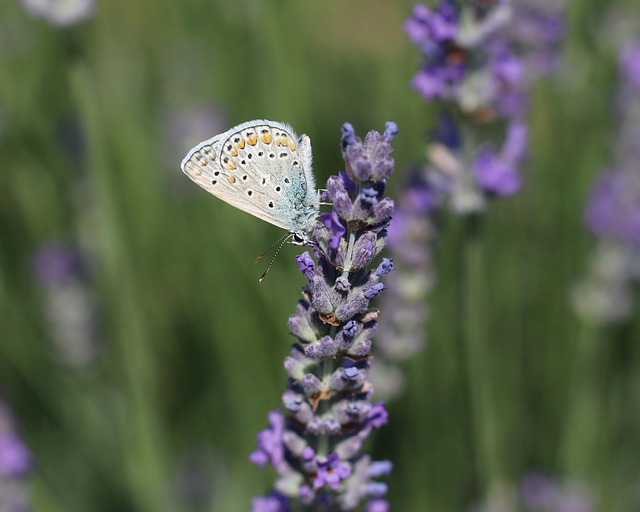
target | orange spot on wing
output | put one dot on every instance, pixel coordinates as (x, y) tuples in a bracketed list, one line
[(233, 152), (266, 138), (252, 140), (292, 145), (231, 167), (240, 144), (232, 179)]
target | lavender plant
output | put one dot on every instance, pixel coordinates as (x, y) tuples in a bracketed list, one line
[(479, 60), (69, 306), (612, 213), (412, 239), (315, 442), (15, 463)]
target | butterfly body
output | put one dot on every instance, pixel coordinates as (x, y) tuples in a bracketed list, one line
[(263, 168)]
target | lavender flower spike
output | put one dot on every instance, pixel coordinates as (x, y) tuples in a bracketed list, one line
[(315, 443), (612, 213), (479, 62)]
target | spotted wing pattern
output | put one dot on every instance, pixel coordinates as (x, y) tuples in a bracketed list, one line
[(260, 167)]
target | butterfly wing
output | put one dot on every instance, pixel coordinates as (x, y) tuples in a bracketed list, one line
[(262, 168)]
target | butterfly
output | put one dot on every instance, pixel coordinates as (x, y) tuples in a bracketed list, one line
[(263, 168)]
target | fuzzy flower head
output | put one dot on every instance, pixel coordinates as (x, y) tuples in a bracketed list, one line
[(629, 63), (316, 443), (613, 211)]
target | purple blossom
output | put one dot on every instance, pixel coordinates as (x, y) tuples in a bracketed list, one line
[(390, 131), (15, 463), (275, 502), (377, 505), (613, 210), (499, 174), (538, 490), (15, 459), (270, 448), (369, 160), (315, 444), (335, 227), (495, 175), (306, 265), (57, 262), (331, 472), (629, 63), (385, 267)]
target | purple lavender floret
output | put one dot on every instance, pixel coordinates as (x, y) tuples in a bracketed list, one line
[(57, 262), (613, 211), (499, 174), (315, 443), (15, 463), (629, 63)]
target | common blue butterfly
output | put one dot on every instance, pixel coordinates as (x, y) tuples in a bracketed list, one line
[(263, 168)]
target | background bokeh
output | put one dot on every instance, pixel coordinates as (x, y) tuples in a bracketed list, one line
[(170, 374)]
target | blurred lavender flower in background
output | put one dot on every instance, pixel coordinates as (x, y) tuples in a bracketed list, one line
[(612, 212), (15, 463), (411, 240), (62, 13), (315, 445), (479, 61), (538, 492), (70, 307)]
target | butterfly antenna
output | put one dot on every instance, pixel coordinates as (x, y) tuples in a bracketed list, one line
[(278, 241), (282, 240)]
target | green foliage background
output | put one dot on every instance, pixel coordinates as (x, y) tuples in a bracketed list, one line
[(192, 345)]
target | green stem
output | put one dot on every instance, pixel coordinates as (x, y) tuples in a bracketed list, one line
[(583, 428), (483, 418)]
